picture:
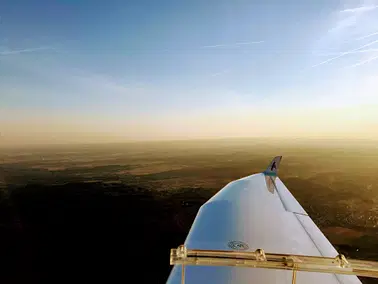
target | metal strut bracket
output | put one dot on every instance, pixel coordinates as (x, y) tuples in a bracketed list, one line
[(260, 259)]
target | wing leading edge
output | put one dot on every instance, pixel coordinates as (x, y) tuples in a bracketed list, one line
[(254, 212)]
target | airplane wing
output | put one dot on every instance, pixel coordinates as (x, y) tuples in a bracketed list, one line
[(255, 212)]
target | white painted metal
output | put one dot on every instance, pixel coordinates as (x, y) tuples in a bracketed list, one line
[(246, 211)]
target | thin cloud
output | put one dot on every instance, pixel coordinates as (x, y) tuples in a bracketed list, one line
[(344, 24), (364, 62), (360, 9), (237, 44), (350, 17), (354, 52), (25, 50), (345, 53), (366, 36), (219, 73)]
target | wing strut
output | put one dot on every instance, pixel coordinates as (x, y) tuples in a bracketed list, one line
[(260, 259)]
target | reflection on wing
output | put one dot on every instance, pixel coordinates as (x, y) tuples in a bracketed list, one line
[(248, 214)]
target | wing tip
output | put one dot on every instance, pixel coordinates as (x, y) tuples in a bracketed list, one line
[(272, 169)]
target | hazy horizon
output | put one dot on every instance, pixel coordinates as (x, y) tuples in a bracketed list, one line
[(295, 141)]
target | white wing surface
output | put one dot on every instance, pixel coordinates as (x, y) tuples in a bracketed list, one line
[(255, 212)]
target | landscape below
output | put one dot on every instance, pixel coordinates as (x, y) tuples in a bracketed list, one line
[(112, 212)]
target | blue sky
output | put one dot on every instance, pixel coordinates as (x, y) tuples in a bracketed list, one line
[(187, 69)]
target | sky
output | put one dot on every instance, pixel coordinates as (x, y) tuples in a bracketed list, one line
[(102, 71)]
